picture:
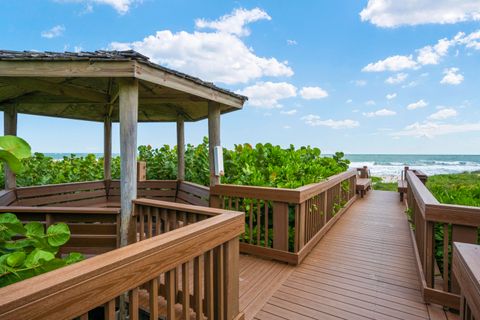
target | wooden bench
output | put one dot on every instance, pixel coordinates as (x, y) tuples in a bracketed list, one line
[(402, 188), (363, 185)]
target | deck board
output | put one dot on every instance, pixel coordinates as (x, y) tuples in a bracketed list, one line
[(363, 268)]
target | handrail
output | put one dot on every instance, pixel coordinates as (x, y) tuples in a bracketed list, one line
[(432, 220), (78, 210), (466, 267), (74, 290)]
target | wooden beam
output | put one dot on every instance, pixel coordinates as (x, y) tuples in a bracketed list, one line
[(213, 138), (12, 92), (180, 148), (107, 148), (60, 89), (128, 100), (10, 128)]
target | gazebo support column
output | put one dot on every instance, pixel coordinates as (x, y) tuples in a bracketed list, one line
[(213, 138), (107, 148), (128, 99), (180, 148), (10, 128)]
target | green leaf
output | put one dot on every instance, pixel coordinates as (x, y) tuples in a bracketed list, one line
[(34, 229), (13, 163), (10, 225), (18, 244), (58, 234), (73, 257), (37, 257), (52, 265), (16, 259), (18, 147)]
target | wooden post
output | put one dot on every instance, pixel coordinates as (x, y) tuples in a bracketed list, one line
[(10, 128), (128, 98), (231, 283), (180, 148), (280, 226), (107, 148), (213, 138), (141, 171)]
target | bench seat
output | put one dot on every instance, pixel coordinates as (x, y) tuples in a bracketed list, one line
[(363, 185), (402, 188)]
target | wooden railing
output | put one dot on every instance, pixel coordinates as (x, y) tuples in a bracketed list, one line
[(466, 267), (436, 224), (93, 230), (189, 272), (285, 224)]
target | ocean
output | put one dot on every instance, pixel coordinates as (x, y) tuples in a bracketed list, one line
[(391, 165)]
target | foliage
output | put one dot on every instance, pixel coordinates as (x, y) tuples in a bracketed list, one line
[(27, 250), (379, 184), (462, 188), (12, 150), (262, 165)]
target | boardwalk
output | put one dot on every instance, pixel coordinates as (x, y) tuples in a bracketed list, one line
[(364, 268)]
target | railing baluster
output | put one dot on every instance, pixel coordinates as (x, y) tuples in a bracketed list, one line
[(258, 222), (141, 210), (109, 310), (158, 230), (133, 304), (266, 223), (149, 221), (446, 242), (209, 289), (250, 222), (186, 290), (170, 285), (153, 298), (197, 288), (219, 298)]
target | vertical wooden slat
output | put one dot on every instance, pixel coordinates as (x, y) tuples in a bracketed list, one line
[(157, 222), (186, 290), (208, 283), (109, 310), (172, 217), (165, 221), (296, 238), (153, 298), (301, 225), (149, 222), (84, 316), (280, 226), (325, 208), (446, 242), (429, 253), (141, 210), (197, 288), (258, 222), (218, 272), (231, 272), (250, 222), (266, 223), (170, 293), (133, 304)]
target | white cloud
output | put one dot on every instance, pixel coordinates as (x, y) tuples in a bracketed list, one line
[(393, 63), (390, 14), (286, 127), (268, 94), (235, 22), (213, 56), (432, 54), (417, 105), (289, 112), (470, 41), (121, 6), (391, 96), (291, 42), (53, 32), (360, 83), (398, 78), (310, 93), (443, 114), (349, 101), (314, 121), (380, 113), (451, 76), (370, 103), (431, 129)]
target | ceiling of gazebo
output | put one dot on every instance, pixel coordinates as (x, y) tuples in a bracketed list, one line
[(84, 86)]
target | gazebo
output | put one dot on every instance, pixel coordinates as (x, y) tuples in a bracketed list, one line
[(111, 86)]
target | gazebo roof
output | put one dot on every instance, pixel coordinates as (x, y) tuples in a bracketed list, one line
[(84, 85)]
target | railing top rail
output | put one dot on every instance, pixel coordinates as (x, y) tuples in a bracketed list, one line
[(466, 266), (79, 210), (297, 195), (181, 207), (81, 183), (193, 184), (422, 194), (73, 290)]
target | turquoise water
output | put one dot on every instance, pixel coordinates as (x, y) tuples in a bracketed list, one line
[(391, 164)]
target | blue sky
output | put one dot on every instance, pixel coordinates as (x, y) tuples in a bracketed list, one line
[(378, 76)]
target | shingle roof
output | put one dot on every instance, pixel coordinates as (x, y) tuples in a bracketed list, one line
[(102, 55)]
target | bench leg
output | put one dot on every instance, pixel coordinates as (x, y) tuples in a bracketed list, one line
[(362, 192), (401, 196)]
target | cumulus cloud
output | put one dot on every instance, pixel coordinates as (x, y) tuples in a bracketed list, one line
[(310, 93), (314, 121), (380, 113), (53, 32), (216, 56), (291, 42), (451, 76), (432, 54), (443, 114), (432, 129), (235, 22), (390, 13), (289, 112), (391, 96), (417, 105), (121, 6), (349, 101), (393, 63), (268, 94), (397, 78)]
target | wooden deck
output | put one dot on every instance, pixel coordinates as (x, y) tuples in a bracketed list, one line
[(364, 268)]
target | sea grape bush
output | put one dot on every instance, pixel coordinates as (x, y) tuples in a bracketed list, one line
[(27, 250), (259, 165)]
